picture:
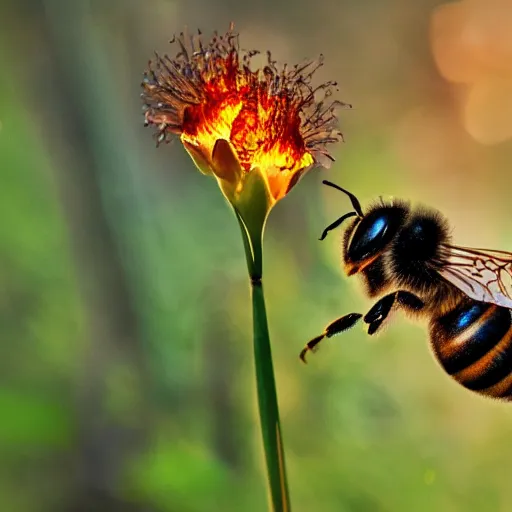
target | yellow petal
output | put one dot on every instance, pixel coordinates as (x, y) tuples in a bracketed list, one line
[(199, 158), (278, 181)]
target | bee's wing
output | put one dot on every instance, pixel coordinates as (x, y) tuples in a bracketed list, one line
[(481, 274)]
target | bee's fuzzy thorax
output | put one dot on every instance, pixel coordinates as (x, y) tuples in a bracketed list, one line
[(415, 253), (421, 237), (391, 203)]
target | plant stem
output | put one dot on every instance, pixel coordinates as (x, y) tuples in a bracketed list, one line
[(267, 401), (265, 381)]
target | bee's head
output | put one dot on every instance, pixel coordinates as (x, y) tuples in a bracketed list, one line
[(369, 234)]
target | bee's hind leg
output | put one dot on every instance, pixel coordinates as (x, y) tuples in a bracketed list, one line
[(381, 309), (338, 326)]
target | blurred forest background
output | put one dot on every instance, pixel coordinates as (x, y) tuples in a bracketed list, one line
[(126, 372)]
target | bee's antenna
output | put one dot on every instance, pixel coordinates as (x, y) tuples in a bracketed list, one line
[(353, 199), (336, 223)]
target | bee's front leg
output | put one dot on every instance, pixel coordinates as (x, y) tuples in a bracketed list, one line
[(336, 327), (381, 309)]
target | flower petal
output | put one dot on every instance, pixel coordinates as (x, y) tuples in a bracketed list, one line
[(199, 158), (296, 178), (225, 163)]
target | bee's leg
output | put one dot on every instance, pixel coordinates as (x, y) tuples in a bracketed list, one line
[(338, 326), (381, 309), (379, 312)]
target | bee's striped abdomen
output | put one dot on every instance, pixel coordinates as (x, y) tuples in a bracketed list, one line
[(473, 343)]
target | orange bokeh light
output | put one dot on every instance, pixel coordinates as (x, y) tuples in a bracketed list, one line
[(472, 45)]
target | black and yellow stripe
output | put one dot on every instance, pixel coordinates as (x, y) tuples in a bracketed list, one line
[(473, 343)]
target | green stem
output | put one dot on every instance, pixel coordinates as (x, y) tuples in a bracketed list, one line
[(267, 401), (265, 381)]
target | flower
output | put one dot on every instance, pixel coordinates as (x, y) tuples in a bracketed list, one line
[(472, 45), (238, 124), (257, 131)]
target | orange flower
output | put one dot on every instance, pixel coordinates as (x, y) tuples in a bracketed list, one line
[(257, 131), (235, 121)]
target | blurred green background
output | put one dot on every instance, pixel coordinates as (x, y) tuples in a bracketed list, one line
[(126, 373)]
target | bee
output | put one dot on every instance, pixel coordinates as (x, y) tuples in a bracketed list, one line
[(405, 258)]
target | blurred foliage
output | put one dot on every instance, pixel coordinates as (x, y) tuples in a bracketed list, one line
[(126, 378)]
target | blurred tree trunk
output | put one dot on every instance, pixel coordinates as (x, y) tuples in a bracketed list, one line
[(111, 409)]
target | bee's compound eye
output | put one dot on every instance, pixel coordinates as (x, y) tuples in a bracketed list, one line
[(371, 235), (377, 230)]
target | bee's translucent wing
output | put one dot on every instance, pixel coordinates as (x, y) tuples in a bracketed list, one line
[(481, 274)]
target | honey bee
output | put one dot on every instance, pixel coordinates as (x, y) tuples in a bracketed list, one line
[(404, 255)]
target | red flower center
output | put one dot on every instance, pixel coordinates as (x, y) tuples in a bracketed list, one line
[(263, 128)]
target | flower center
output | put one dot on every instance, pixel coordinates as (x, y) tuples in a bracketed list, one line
[(263, 129)]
